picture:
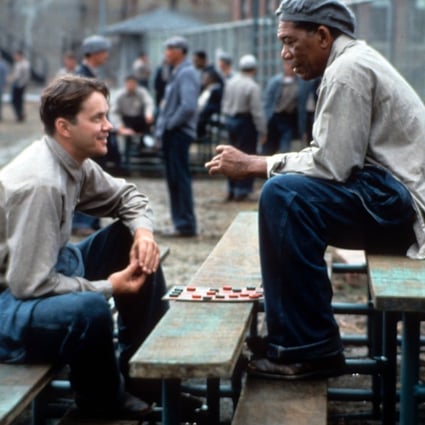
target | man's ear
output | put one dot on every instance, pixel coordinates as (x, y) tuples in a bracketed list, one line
[(62, 127), (325, 36)]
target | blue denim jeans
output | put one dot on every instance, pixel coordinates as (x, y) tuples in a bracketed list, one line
[(84, 221), (175, 145), (77, 328), (299, 217), (242, 135)]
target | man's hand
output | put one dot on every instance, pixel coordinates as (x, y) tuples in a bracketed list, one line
[(145, 251), (236, 164), (149, 118), (127, 281)]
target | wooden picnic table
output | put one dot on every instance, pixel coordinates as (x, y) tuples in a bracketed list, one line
[(204, 339), (398, 289)]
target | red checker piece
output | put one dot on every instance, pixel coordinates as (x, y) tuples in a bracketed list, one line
[(227, 288), (191, 289), (196, 296)]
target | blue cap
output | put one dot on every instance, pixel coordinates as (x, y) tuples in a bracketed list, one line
[(332, 13), (95, 44)]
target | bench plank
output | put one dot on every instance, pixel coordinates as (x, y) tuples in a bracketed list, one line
[(397, 283), (19, 385), (205, 339), (194, 340), (275, 402), (234, 260)]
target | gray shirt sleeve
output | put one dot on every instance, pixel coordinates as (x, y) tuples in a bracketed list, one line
[(340, 136)]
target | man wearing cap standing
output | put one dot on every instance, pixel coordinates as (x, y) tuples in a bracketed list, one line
[(225, 66), (95, 49), (245, 120), (20, 78), (176, 128), (359, 185)]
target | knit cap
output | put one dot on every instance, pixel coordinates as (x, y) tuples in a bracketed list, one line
[(332, 13)]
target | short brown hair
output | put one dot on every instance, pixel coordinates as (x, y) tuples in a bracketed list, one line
[(64, 96)]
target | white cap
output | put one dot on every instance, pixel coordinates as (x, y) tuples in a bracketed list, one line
[(247, 62)]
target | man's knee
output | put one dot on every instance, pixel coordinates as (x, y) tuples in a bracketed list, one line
[(92, 312), (278, 187)]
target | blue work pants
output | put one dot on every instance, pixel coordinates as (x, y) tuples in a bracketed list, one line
[(17, 98), (243, 136), (299, 217), (281, 130), (175, 145)]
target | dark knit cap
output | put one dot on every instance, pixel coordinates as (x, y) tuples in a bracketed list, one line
[(332, 13)]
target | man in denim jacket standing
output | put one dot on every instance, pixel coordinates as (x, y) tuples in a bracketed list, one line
[(176, 128)]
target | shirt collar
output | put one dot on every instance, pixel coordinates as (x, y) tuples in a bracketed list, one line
[(339, 46), (68, 162)]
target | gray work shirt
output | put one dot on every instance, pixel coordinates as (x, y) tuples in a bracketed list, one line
[(39, 191), (178, 110), (366, 113), (133, 104), (242, 95)]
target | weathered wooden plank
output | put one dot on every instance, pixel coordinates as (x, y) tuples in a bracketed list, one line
[(274, 402), (205, 339), (234, 260), (397, 283), (194, 340), (19, 385)]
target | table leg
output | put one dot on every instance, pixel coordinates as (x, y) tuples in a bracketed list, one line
[(170, 401), (213, 400), (389, 377), (409, 368)]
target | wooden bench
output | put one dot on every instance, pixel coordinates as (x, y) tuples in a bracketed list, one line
[(398, 289), (19, 386), (205, 340), (273, 402)]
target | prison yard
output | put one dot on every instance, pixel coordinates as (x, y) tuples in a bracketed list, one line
[(349, 399)]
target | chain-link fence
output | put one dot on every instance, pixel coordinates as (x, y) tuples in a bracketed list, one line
[(395, 27)]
